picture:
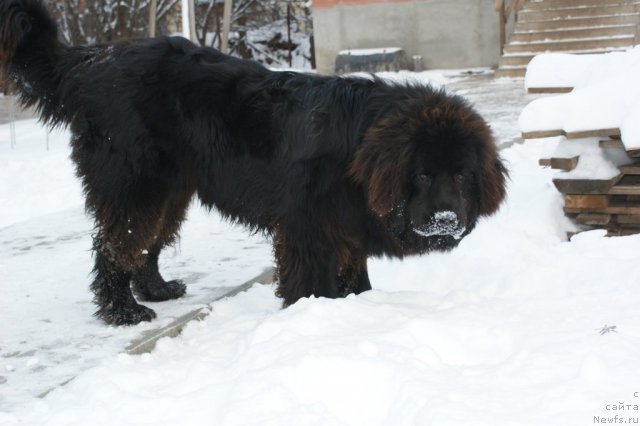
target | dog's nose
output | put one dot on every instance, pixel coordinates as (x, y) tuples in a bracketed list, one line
[(446, 219), (444, 222)]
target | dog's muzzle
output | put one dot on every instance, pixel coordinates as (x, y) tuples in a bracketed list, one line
[(443, 223)]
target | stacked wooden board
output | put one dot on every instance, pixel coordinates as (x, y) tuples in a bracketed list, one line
[(612, 204)]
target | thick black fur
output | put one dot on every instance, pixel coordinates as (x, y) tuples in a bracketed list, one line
[(334, 169)]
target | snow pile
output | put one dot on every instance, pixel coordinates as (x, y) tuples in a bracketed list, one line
[(606, 94), (594, 163), (505, 327), (551, 70), (504, 330)]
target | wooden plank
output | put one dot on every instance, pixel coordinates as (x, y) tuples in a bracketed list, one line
[(622, 232), (628, 185), (611, 143), (613, 133), (623, 208), (634, 153), (599, 219), (586, 201), (628, 219), (566, 164), (593, 133), (629, 180), (550, 89), (631, 169), (585, 186), (542, 134), (616, 205), (624, 190)]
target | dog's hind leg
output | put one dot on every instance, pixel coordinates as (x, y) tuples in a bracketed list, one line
[(111, 284), (125, 235), (146, 282), (131, 189)]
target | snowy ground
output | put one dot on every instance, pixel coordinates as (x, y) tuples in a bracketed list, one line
[(505, 330)]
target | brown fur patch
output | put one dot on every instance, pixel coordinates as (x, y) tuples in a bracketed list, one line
[(381, 161)]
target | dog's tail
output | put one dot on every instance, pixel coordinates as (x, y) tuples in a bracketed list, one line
[(30, 53)]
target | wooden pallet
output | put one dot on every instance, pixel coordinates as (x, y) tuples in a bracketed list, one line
[(613, 135), (597, 133), (585, 186), (611, 204)]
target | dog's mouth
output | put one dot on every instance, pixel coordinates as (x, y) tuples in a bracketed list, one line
[(444, 223)]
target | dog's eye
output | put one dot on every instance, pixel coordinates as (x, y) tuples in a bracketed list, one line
[(423, 180)]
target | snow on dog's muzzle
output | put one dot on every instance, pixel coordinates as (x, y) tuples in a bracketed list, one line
[(442, 223)]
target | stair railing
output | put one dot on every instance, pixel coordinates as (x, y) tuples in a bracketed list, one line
[(508, 13)]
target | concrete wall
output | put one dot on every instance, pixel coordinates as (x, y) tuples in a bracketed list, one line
[(446, 33)]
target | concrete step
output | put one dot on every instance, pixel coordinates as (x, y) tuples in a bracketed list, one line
[(570, 34), (523, 58), (580, 22), (559, 4), (575, 12), (579, 44), (569, 26), (519, 60)]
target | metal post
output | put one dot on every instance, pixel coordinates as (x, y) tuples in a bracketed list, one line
[(502, 16), (192, 21), (417, 63), (226, 26), (289, 32), (186, 25), (152, 17)]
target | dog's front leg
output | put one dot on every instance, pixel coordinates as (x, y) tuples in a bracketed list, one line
[(353, 277), (305, 267)]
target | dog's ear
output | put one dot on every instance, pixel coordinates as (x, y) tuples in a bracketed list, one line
[(491, 181), (380, 165)]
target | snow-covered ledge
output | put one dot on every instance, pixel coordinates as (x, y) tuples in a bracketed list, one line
[(605, 95)]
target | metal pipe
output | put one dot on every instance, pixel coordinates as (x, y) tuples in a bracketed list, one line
[(226, 26), (152, 17)]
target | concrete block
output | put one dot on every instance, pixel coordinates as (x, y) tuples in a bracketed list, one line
[(372, 60)]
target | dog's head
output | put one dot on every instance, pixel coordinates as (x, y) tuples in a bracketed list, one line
[(430, 169)]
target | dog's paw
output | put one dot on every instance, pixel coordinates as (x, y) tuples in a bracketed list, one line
[(159, 292), (127, 315)]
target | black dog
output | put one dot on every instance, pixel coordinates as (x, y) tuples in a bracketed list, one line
[(334, 169)]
